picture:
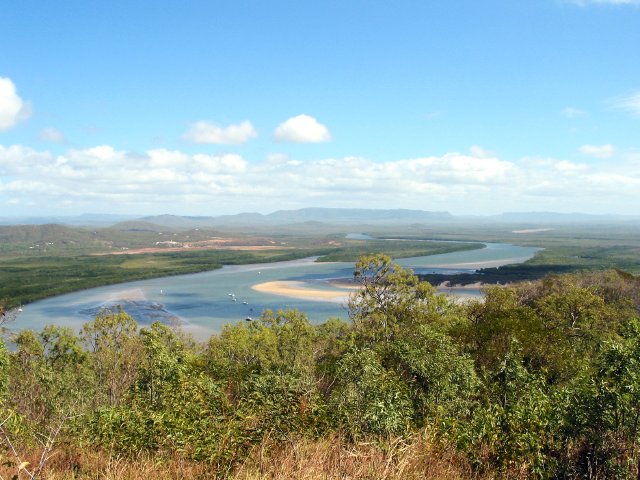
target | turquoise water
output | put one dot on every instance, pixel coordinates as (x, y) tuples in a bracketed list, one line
[(201, 301)]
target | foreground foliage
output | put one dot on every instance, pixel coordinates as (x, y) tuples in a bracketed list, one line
[(540, 379)]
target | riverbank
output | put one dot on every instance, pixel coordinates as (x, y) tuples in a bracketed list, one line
[(301, 291), (27, 279), (207, 301), (305, 291)]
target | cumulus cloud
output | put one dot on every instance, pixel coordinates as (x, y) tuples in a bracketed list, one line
[(598, 151), (565, 166), (301, 129), (629, 103), (480, 152), (12, 107), (52, 135), (162, 180), (234, 134), (227, 163)]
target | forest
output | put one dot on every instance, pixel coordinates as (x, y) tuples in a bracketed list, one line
[(539, 379)]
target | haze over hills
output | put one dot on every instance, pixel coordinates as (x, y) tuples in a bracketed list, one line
[(323, 215), (553, 217), (86, 219), (329, 216)]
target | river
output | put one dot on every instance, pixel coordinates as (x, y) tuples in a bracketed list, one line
[(204, 302)]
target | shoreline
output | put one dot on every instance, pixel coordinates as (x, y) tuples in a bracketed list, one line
[(304, 291), (301, 291)]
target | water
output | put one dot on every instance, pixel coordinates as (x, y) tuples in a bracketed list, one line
[(201, 301), (358, 236)]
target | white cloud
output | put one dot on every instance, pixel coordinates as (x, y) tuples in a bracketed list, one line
[(301, 129), (598, 151), (572, 112), (52, 135), (480, 152), (160, 158), (206, 132), (565, 166), (161, 181), (628, 103), (12, 107), (228, 163), (277, 158)]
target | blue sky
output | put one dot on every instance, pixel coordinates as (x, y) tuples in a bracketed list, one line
[(221, 107)]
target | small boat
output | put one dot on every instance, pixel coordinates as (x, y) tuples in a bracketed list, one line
[(231, 294), (245, 303), (249, 319)]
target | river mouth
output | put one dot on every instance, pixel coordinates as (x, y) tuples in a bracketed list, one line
[(203, 303)]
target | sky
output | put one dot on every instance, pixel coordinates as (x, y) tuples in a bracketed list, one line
[(219, 107)]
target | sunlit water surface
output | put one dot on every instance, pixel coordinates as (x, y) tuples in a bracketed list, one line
[(202, 302)]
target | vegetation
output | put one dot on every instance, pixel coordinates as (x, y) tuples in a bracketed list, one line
[(39, 261), (23, 280), (28, 278), (539, 380), (553, 260), (351, 250)]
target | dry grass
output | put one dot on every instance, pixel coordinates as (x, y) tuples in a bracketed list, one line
[(97, 465), (301, 459), (332, 458)]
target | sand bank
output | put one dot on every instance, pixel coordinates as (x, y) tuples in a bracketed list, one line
[(480, 264), (532, 230), (301, 290), (128, 295)]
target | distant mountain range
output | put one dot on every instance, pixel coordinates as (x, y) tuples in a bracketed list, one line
[(86, 219), (306, 215), (321, 216)]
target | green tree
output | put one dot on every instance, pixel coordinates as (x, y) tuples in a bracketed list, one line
[(73, 380), (173, 407), (604, 417), (517, 427), (116, 352), (4, 372), (367, 399), (391, 300), (441, 380), (30, 378), (282, 341)]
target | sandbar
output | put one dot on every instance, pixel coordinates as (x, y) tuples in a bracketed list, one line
[(481, 264), (532, 230), (300, 290), (128, 295)]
